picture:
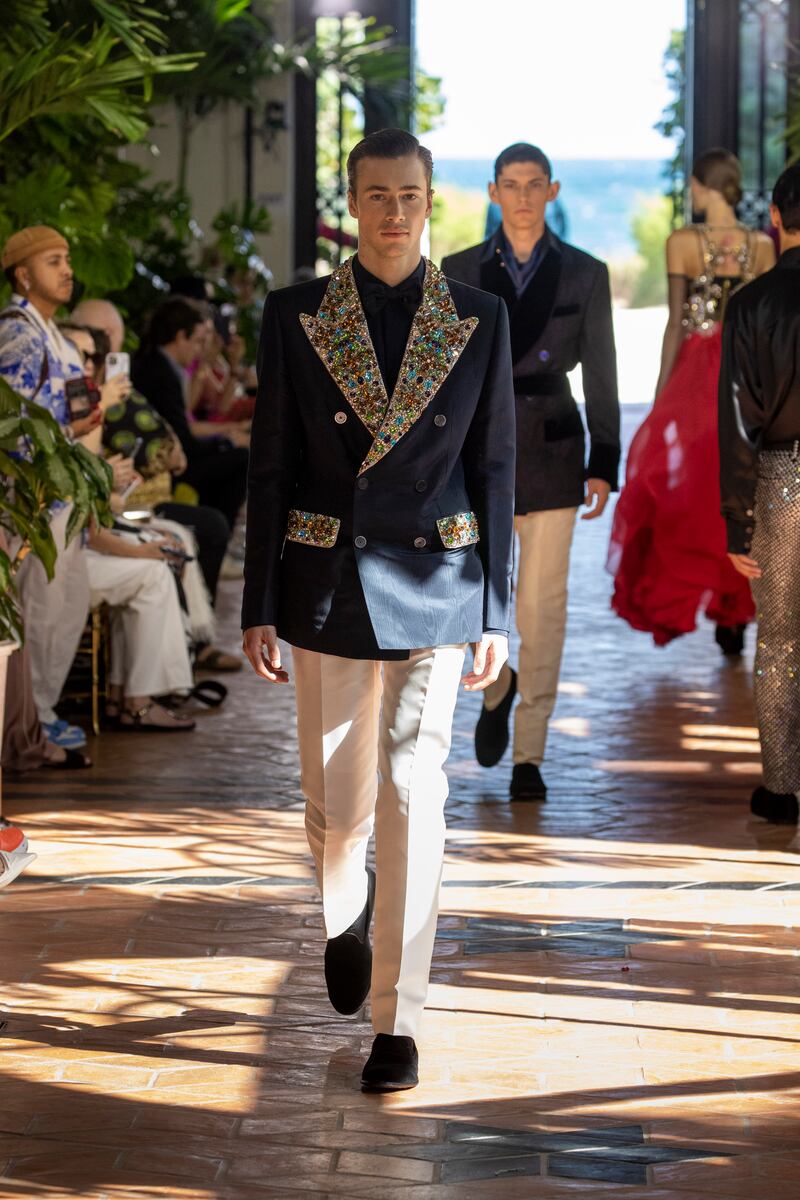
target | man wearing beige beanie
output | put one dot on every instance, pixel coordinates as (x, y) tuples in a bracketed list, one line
[(38, 362)]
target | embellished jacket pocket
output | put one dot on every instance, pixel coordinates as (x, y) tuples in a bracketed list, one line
[(312, 529), (459, 530)]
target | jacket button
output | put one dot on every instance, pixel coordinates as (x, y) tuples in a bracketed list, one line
[(420, 543), (361, 541), (421, 485), (362, 484), (440, 419), (340, 418), (749, 512)]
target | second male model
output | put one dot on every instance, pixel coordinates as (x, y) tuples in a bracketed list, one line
[(560, 308), (379, 539)]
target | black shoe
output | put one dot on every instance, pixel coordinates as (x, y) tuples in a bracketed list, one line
[(730, 639), (348, 959), (491, 732), (392, 1066), (781, 808), (527, 783)]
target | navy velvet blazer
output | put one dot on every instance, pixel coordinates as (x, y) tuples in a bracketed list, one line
[(376, 525)]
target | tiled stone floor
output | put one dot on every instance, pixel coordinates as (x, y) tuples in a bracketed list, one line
[(616, 991)]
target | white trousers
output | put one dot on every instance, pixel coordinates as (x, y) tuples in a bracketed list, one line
[(545, 540), (55, 615), (374, 738), (149, 654)]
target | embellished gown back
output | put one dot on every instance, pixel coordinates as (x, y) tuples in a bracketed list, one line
[(668, 541)]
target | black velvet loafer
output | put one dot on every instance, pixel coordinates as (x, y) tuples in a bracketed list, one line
[(393, 1065), (348, 959), (527, 783), (730, 639), (491, 732), (781, 808)]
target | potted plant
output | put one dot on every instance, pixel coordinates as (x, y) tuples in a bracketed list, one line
[(38, 466)]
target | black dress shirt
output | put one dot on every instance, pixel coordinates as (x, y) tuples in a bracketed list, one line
[(759, 388), (390, 313)]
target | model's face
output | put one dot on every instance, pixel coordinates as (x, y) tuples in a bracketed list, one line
[(523, 192), (47, 276), (391, 203)]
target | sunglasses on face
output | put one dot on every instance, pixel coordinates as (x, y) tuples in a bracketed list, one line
[(93, 357)]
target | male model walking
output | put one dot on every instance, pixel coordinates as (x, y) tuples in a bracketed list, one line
[(560, 308), (379, 541), (759, 442)]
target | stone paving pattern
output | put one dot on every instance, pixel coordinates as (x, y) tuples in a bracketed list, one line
[(615, 993)]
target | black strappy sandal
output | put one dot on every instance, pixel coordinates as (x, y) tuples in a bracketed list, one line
[(75, 761), (210, 692)]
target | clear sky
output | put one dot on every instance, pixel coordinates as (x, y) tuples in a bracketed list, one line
[(582, 78)]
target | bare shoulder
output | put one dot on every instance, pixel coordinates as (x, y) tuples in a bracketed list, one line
[(681, 244)]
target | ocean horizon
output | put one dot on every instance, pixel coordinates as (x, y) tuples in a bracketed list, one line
[(599, 197)]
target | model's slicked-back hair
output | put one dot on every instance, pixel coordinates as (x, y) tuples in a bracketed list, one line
[(786, 198), (388, 143), (522, 152)]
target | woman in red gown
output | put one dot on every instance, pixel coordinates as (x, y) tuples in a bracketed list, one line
[(668, 545)]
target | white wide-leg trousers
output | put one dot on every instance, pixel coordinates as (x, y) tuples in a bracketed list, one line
[(149, 654), (54, 613), (374, 738)]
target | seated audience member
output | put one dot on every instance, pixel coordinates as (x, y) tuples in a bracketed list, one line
[(40, 364), (25, 747), (133, 426), (149, 653), (216, 467), (222, 379), (24, 744)]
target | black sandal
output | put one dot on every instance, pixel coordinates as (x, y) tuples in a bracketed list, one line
[(75, 761), (210, 692), (136, 723)]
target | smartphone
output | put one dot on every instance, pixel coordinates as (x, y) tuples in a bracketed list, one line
[(134, 483), (118, 364)]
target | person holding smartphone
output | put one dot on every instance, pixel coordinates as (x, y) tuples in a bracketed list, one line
[(42, 365)]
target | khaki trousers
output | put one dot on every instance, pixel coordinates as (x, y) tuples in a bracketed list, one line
[(55, 615), (545, 540), (374, 738)]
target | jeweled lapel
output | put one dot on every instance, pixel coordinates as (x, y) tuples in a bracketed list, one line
[(340, 336)]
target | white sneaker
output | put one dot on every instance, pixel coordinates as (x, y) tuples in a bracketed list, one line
[(12, 864)]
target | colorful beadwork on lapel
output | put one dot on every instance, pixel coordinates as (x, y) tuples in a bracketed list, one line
[(340, 337), (459, 530), (312, 529)]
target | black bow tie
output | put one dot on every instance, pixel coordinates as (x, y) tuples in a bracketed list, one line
[(375, 296)]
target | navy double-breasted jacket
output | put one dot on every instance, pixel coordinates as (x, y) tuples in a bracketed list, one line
[(375, 524), (562, 318)]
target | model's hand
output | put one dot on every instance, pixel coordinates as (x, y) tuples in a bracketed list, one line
[(596, 498), (260, 644), (489, 655), (746, 565)]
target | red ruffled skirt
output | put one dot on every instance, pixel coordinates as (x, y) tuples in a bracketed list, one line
[(668, 542)]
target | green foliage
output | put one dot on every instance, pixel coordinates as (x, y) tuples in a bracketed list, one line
[(651, 226), (76, 81), (673, 122), (39, 466)]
